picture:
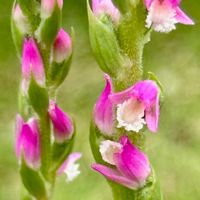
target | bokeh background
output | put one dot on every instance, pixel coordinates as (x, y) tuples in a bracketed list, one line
[(174, 151)]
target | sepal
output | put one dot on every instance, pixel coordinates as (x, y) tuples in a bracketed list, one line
[(123, 6), (95, 139), (104, 44), (30, 8), (61, 151), (49, 27), (38, 97), (33, 182)]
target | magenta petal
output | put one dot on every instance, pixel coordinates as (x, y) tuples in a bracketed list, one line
[(114, 175), (63, 125), (175, 3), (28, 142), (72, 158), (148, 3), (183, 18), (148, 93), (30, 147), (32, 62), (103, 110), (62, 47), (120, 97), (132, 163), (152, 115)]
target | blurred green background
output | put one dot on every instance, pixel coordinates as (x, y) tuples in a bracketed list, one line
[(174, 151)]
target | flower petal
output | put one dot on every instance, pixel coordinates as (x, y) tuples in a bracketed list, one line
[(152, 115), (32, 62), (101, 7), (148, 3), (69, 167), (63, 125), (132, 163), (114, 175), (183, 18), (103, 110)]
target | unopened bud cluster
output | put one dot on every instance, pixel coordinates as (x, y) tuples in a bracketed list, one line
[(46, 51)]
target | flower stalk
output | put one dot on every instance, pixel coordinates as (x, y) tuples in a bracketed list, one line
[(131, 100), (44, 132)]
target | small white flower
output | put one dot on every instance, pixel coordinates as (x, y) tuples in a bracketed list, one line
[(130, 115), (70, 167), (107, 149), (72, 171)]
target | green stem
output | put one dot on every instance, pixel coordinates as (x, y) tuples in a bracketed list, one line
[(131, 40), (45, 145)]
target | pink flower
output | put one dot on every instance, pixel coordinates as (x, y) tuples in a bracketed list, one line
[(69, 167), (164, 14), (63, 125), (138, 105), (131, 167), (47, 7), (101, 7), (32, 63), (62, 48), (103, 110), (28, 141)]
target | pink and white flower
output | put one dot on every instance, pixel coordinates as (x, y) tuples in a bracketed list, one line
[(131, 167), (62, 123), (131, 109), (28, 141), (70, 167), (102, 7), (163, 15), (62, 47), (32, 63), (103, 110), (137, 106)]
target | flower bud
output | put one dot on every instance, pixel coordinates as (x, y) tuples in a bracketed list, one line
[(62, 124), (62, 48), (131, 166), (28, 141), (69, 167), (32, 63), (103, 110), (20, 20), (47, 7), (105, 7)]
